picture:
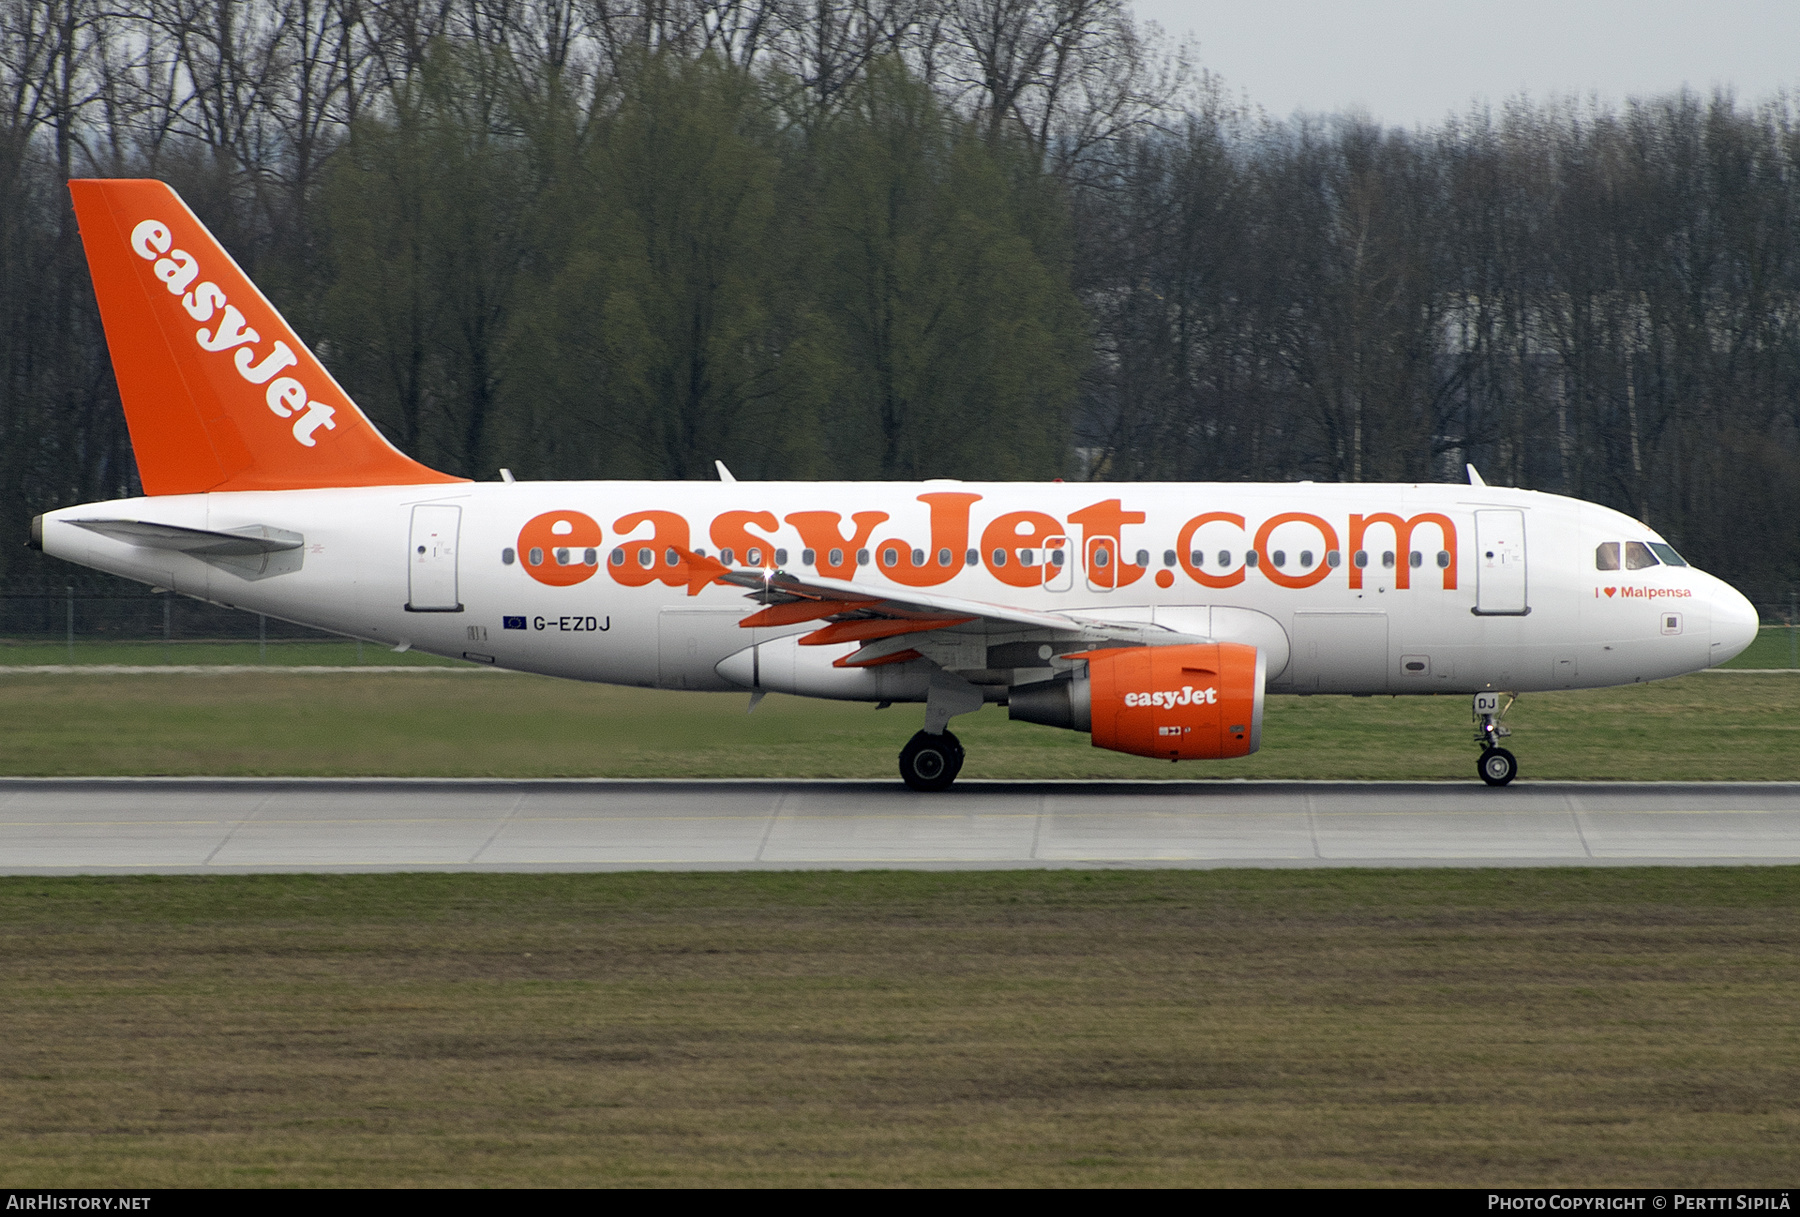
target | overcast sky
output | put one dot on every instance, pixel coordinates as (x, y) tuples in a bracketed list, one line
[(1409, 62)]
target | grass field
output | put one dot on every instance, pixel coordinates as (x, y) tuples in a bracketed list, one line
[(1551, 1027), (1541, 1027), (482, 723), (1776, 646)]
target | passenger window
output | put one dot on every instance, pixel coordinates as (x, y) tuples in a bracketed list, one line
[(1606, 557), (1638, 556), (1667, 554), (1224, 558), (1387, 559), (727, 556), (808, 557), (1169, 557)]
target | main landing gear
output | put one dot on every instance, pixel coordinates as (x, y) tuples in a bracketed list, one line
[(1497, 766), (931, 762), (932, 758)]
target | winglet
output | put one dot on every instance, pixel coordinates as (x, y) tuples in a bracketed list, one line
[(701, 571), (219, 392)]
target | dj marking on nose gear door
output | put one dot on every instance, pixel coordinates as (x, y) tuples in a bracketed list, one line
[(1152, 617)]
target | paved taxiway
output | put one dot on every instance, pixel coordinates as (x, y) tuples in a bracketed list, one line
[(124, 825)]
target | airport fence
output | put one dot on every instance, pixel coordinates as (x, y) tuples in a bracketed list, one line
[(110, 620)]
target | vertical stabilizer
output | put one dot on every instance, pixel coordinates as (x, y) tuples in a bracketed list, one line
[(219, 393)]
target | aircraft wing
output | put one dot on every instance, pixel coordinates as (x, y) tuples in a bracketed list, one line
[(887, 621)]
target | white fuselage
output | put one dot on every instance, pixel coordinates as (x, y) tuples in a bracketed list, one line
[(1504, 591)]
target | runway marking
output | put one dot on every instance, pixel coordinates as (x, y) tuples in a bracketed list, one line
[(1573, 808), (498, 828), (261, 803)]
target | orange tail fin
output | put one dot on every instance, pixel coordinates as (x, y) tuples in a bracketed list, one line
[(219, 393)]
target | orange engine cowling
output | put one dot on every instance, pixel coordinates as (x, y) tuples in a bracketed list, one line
[(1199, 702)]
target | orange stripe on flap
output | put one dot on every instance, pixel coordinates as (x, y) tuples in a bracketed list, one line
[(897, 657), (700, 571), (799, 610)]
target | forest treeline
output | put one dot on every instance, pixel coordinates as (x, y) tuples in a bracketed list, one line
[(915, 238)]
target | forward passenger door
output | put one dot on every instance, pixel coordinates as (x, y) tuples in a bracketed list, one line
[(1500, 588)]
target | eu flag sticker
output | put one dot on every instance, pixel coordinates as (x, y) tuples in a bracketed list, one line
[(513, 623)]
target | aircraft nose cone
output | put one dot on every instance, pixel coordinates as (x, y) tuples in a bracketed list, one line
[(1734, 624)]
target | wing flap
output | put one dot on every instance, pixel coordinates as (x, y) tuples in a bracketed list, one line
[(859, 614)]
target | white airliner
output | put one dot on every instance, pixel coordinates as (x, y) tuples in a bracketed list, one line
[(1152, 616)]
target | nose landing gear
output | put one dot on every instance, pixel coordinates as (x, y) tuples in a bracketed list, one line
[(1497, 766)]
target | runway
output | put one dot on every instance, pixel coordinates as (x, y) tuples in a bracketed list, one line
[(187, 825)]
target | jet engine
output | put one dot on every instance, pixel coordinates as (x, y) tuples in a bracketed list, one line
[(1194, 702)]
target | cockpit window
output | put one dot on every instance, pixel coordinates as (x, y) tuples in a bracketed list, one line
[(1638, 556), (1606, 557), (1667, 553)]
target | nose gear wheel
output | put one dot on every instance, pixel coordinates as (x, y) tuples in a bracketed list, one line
[(1497, 767)]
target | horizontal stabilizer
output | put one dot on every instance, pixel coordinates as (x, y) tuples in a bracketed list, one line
[(202, 543)]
